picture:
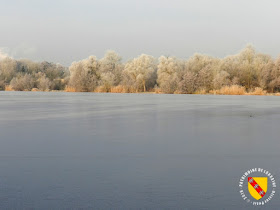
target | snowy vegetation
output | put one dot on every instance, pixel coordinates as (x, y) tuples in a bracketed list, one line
[(247, 71)]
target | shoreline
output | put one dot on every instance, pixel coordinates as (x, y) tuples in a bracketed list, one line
[(148, 92)]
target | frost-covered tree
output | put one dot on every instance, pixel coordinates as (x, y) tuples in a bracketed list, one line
[(22, 83), (221, 79), (53, 71), (44, 83), (230, 65), (275, 76), (84, 74), (188, 83), (29, 67), (8, 67), (263, 65), (141, 72), (205, 78), (246, 66), (205, 67), (168, 72), (110, 69), (198, 61)]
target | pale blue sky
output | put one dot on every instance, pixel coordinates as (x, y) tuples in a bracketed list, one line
[(63, 31)]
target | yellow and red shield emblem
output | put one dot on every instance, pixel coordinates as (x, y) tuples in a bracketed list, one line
[(257, 187)]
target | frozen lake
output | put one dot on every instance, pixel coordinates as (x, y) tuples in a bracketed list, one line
[(131, 151)]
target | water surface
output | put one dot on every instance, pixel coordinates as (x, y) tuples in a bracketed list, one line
[(131, 151)]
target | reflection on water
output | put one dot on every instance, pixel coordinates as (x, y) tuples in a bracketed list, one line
[(121, 151)]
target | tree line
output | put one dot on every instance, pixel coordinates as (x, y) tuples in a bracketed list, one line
[(199, 74), (25, 75)]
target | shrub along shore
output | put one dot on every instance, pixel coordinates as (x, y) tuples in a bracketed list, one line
[(246, 73), (226, 90)]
